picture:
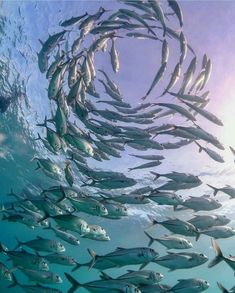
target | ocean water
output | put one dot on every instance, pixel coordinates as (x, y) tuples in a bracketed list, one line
[(209, 28)]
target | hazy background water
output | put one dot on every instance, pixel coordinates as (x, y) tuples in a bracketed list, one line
[(209, 27)]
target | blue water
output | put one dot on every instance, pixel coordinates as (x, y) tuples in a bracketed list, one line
[(24, 23)]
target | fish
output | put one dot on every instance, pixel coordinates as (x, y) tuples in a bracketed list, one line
[(229, 190), (156, 79), (113, 286), (184, 112), (42, 244), (146, 165), (192, 285), (166, 198), (149, 157), (61, 259), (44, 277), (177, 10), (158, 13), (183, 47), (179, 177), (73, 20), (114, 57), (137, 278), (224, 290), (201, 203), (127, 256), (210, 116), (219, 232), (205, 221), (211, 153), (64, 235), (68, 173), (181, 260), (26, 259), (165, 51), (177, 226), (170, 242), (89, 205)]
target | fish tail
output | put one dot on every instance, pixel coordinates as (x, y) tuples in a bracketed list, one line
[(222, 289), (151, 239), (14, 283), (152, 220), (3, 248), (200, 147), (216, 190), (12, 193), (19, 243), (45, 217), (44, 124), (219, 255), (39, 137), (157, 175), (75, 283), (94, 257), (76, 267)]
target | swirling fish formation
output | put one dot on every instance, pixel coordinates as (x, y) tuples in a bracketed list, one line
[(100, 133)]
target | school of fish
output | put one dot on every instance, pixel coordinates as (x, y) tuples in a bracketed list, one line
[(90, 121)]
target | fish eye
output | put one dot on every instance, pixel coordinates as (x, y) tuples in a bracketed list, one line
[(202, 255)]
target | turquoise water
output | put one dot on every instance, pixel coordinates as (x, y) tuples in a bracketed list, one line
[(24, 23)]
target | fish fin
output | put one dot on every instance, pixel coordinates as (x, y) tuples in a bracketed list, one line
[(76, 267), (219, 255), (151, 239), (105, 276), (152, 220), (75, 283), (216, 190), (119, 248), (198, 236), (157, 175), (38, 167), (94, 258), (143, 265), (223, 290), (39, 237), (232, 150), (15, 282), (19, 243)]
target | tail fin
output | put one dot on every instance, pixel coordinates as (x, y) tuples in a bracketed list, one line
[(157, 175), (76, 267), (44, 124), (222, 289), (200, 147), (19, 243), (219, 256), (216, 190), (94, 258), (15, 282), (3, 248), (151, 239), (39, 137), (75, 283), (105, 276), (152, 220)]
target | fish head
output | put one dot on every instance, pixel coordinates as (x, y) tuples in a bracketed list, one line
[(131, 289), (187, 244), (202, 258), (204, 284), (102, 210), (222, 220), (57, 279), (85, 229), (44, 223), (7, 275), (43, 265), (156, 277), (60, 247), (151, 254)]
